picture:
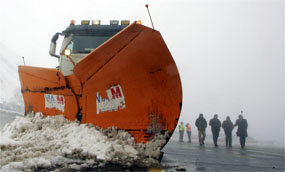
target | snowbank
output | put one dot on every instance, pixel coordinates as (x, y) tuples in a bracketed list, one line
[(52, 142)]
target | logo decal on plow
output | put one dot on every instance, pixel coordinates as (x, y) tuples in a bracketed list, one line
[(115, 100), (55, 101)]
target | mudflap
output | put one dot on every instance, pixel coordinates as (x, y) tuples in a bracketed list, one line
[(131, 82), (44, 90)]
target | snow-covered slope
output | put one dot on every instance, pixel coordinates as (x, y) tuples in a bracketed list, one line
[(9, 79)]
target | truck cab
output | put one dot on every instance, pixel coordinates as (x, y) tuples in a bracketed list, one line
[(80, 40)]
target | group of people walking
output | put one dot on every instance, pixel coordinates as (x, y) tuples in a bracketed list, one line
[(216, 125)]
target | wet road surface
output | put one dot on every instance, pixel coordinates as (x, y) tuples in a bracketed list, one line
[(192, 157)]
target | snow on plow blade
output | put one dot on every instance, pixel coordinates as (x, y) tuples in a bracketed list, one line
[(130, 82)]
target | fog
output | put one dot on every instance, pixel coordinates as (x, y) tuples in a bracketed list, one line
[(230, 53)]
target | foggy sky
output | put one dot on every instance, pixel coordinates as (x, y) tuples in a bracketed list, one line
[(230, 53)]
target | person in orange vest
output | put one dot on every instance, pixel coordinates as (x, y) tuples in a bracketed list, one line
[(181, 132), (188, 131)]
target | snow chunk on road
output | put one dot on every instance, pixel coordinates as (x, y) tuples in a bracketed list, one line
[(50, 142)]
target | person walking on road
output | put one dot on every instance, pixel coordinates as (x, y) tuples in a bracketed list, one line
[(242, 130), (215, 124), (201, 124), (228, 128), (181, 132), (188, 130)]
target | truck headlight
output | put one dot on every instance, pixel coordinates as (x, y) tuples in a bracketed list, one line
[(67, 52)]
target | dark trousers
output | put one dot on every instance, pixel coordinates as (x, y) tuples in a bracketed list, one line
[(189, 136), (228, 139), (181, 134), (215, 137), (202, 136), (242, 141)]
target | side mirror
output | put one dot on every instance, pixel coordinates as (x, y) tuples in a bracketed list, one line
[(52, 48)]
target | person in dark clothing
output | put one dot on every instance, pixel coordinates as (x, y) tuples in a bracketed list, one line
[(201, 124), (228, 128), (215, 124), (242, 130)]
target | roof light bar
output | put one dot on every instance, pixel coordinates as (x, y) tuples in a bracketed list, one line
[(114, 22), (125, 22), (85, 22), (96, 22), (139, 22)]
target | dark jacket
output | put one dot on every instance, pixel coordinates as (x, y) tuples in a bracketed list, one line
[(242, 127), (215, 123), (201, 124), (228, 126)]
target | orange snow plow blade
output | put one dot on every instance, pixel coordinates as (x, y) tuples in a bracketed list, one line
[(131, 82), (45, 90)]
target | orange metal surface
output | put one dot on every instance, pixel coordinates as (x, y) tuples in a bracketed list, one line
[(137, 60), (104, 53), (37, 82), (130, 82), (74, 83)]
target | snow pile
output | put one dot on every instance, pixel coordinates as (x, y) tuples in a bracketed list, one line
[(52, 142)]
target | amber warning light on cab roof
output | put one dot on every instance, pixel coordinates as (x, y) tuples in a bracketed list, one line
[(85, 22), (72, 22), (98, 22)]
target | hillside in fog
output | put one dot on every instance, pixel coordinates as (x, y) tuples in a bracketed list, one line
[(9, 79)]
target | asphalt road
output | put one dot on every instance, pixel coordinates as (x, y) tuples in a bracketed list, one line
[(192, 157)]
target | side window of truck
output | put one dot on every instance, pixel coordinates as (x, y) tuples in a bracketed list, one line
[(70, 45)]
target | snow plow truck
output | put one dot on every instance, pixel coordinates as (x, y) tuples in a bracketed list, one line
[(114, 75)]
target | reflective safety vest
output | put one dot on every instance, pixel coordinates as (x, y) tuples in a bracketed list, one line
[(181, 127)]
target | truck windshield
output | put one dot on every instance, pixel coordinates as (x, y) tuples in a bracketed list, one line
[(81, 44)]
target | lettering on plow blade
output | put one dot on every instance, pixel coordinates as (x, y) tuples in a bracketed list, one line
[(54, 101), (115, 100)]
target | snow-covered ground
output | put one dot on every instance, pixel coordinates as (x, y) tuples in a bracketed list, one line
[(39, 142)]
